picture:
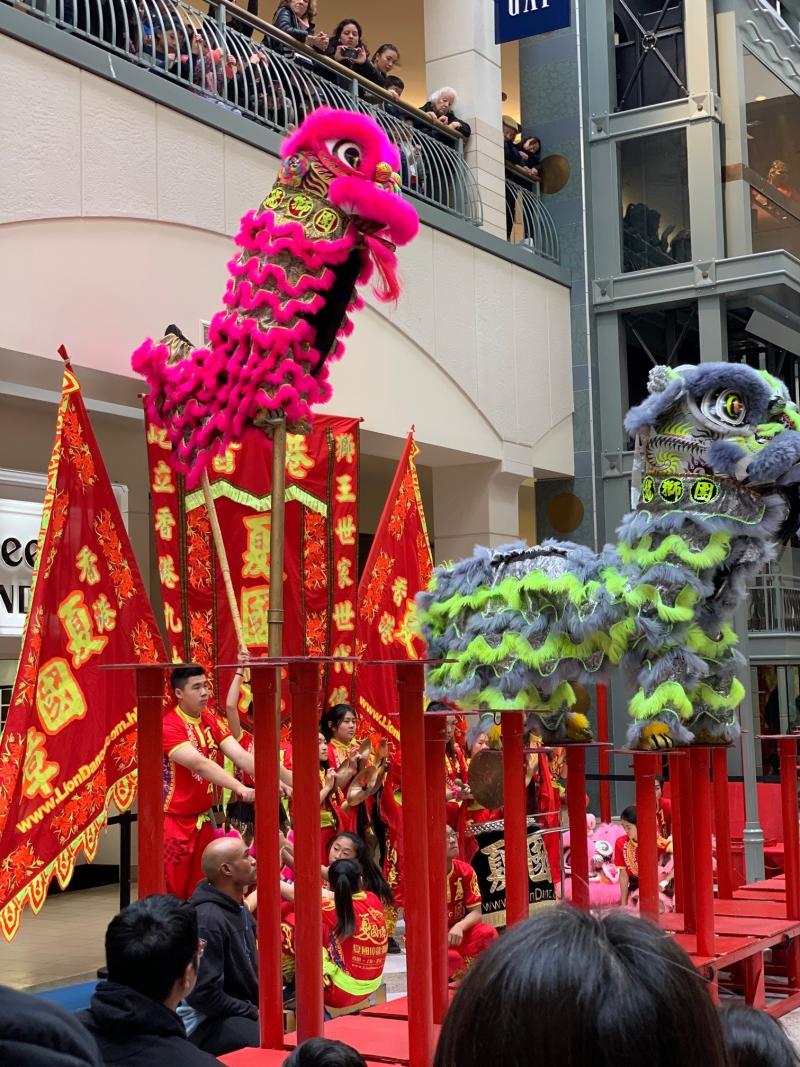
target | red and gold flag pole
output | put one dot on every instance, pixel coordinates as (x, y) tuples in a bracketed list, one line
[(222, 556)]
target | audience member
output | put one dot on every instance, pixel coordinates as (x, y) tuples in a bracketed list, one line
[(346, 45), (531, 151), (440, 109), (582, 990), (626, 855), (221, 1014), (383, 62), (755, 1039), (663, 811), (152, 955), (354, 938), (467, 936), (395, 87), (324, 1052), (296, 17), (38, 1033)]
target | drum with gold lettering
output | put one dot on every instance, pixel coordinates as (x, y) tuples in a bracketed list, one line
[(489, 863)]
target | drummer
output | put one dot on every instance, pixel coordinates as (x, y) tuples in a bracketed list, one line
[(467, 936)]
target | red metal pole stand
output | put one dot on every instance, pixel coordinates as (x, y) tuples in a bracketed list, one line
[(576, 809), (436, 786), (686, 872), (150, 756), (791, 835), (515, 830), (703, 863), (677, 830), (268, 918), (410, 684), (304, 685), (603, 762), (722, 823), (645, 769)]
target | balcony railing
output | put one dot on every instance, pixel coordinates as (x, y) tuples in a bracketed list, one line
[(241, 63), (775, 214), (528, 222), (774, 604)]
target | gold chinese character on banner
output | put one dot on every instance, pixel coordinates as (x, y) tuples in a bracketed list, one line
[(166, 571), (298, 461), (164, 523), (344, 569), (386, 627), (339, 695), (399, 590), (105, 617), (404, 635), (344, 615), (255, 605), (162, 478), (344, 651), (174, 624), (77, 621), (344, 489), (59, 698), (86, 562), (157, 435), (345, 530), (226, 463), (345, 447), (256, 555), (37, 770)]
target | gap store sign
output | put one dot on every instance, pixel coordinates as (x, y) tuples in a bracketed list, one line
[(514, 19)]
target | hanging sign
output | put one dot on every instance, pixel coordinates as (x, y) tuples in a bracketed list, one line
[(515, 19)]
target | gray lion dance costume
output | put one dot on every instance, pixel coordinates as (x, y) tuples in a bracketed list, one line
[(718, 448)]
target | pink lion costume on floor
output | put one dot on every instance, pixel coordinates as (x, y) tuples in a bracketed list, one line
[(332, 217)]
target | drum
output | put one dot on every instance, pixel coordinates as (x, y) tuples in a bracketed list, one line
[(490, 867)]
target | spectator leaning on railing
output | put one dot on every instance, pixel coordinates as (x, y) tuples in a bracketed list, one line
[(440, 109), (383, 62), (296, 17), (347, 46)]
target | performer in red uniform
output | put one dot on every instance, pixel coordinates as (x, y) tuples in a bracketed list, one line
[(338, 726), (455, 769), (467, 936), (626, 855), (663, 813), (193, 737), (354, 938)]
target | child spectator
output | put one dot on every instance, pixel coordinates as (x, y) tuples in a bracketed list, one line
[(626, 855)]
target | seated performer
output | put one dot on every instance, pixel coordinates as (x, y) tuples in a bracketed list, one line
[(221, 1014), (338, 727), (626, 855), (467, 936), (353, 936), (193, 736), (663, 813)]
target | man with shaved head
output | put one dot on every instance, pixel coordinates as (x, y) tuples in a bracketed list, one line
[(221, 1014)]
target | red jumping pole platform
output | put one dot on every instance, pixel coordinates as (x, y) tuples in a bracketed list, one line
[(722, 823), (576, 810), (787, 747), (603, 762), (677, 833), (268, 919), (515, 829), (436, 787), (304, 684), (699, 765), (645, 769), (410, 685), (150, 762), (685, 872)]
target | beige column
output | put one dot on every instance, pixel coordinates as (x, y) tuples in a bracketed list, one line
[(460, 52), (474, 504)]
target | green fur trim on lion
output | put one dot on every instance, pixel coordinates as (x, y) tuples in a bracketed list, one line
[(681, 611), (562, 697), (669, 696), (703, 694), (697, 640), (714, 553)]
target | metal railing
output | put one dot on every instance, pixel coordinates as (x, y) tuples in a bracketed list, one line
[(239, 62), (528, 222), (774, 604)]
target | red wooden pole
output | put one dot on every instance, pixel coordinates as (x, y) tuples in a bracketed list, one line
[(268, 918), (576, 809), (687, 874), (150, 763), (410, 684), (515, 829), (722, 824), (791, 835), (703, 863), (304, 685), (603, 761), (436, 787), (677, 831), (645, 769)]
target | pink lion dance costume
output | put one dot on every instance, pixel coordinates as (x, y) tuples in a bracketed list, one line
[(333, 215)]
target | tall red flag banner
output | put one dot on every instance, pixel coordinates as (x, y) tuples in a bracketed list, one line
[(321, 544), (398, 567), (68, 750)]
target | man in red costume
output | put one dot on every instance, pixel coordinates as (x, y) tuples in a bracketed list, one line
[(467, 936), (193, 736)]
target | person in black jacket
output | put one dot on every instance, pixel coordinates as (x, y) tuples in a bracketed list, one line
[(440, 109), (152, 954), (296, 17), (221, 1014), (38, 1033), (348, 47)]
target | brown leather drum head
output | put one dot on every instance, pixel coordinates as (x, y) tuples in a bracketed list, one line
[(485, 777), (581, 705), (555, 173)]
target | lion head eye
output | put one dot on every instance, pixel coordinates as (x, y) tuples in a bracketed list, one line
[(345, 151), (726, 406)]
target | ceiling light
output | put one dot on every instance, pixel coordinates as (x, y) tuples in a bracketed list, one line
[(760, 98)]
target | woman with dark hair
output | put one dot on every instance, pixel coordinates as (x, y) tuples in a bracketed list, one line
[(383, 62), (626, 855), (354, 938), (324, 1052), (347, 846), (347, 46), (582, 990), (755, 1039)]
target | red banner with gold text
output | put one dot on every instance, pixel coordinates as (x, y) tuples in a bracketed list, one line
[(398, 567), (320, 559), (69, 746)]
